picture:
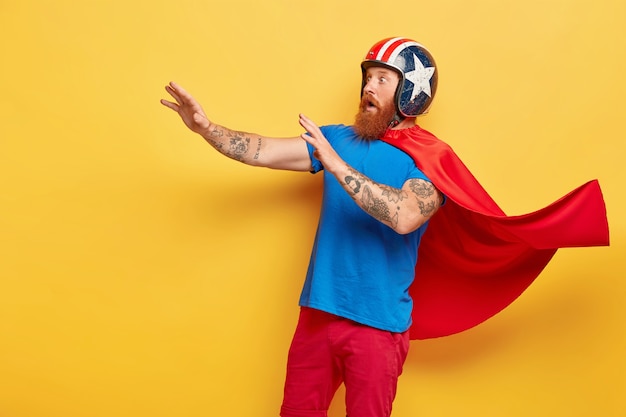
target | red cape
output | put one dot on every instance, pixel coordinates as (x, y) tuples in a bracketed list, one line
[(474, 260)]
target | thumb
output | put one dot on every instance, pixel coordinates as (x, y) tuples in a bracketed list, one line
[(201, 120)]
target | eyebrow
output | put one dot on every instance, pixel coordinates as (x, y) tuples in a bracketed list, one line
[(380, 71)]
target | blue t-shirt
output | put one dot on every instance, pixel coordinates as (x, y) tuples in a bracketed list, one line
[(360, 268)]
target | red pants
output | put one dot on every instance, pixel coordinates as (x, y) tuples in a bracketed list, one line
[(327, 350)]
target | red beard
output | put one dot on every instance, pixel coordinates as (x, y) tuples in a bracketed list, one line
[(373, 125)]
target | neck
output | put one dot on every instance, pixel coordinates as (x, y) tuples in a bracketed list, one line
[(405, 123)]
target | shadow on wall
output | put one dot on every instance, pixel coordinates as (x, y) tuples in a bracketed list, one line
[(201, 211), (299, 194), (544, 315)]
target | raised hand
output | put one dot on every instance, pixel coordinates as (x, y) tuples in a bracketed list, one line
[(324, 152), (187, 108)]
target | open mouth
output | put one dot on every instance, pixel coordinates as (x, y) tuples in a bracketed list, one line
[(369, 105)]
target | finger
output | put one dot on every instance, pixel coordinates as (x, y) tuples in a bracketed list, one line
[(306, 123), (307, 119), (309, 125), (172, 92), (170, 105), (308, 138), (180, 91)]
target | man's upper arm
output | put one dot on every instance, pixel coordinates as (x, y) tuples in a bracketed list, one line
[(423, 202), (284, 153), (428, 197)]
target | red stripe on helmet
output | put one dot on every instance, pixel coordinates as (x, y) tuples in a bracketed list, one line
[(389, 47), (377, 50)]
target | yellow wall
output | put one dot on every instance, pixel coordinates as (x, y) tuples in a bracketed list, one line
[(141, 274)]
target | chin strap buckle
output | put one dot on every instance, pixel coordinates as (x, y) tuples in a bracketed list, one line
[(395, 121)]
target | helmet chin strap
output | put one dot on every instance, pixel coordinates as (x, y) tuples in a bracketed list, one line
[(397, 119)]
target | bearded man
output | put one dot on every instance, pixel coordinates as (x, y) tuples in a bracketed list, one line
[(355, 306)]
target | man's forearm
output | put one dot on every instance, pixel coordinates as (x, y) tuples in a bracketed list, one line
[(240, 146), (402, 209), (370, 196)]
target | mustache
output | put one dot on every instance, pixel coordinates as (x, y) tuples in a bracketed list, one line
[(368, 99)]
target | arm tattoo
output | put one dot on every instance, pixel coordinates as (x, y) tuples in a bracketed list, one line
[(424, 190), (238, 147), (393, 195), (427, 209), (386, 206), (217, 133), (258, 149), (421, 188), (353, 183), (235, 147), (377, 207)]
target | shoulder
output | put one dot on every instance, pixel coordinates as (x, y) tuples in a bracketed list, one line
[(335, 131)]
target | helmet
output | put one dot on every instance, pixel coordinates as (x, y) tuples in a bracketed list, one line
[(417, 70)]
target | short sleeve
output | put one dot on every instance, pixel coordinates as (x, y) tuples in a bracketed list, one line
[(316, 165)]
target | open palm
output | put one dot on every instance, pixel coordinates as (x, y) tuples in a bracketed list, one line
[(187, 108)]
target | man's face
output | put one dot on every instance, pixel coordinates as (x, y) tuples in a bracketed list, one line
[(377, 106)]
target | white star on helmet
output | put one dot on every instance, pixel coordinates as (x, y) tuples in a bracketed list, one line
[(420, 77)]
